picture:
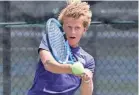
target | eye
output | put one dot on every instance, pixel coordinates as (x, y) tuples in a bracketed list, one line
[(69, 27), (77, 28)]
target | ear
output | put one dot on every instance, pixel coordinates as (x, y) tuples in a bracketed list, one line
[(85, 29)]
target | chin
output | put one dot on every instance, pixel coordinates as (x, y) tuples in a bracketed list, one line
[(73, 45)]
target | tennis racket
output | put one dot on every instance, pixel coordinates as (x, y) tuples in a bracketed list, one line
[(57, 43)]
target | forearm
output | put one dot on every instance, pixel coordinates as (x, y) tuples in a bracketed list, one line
[(56, 67), (87, 88), (52, 65), (87, 83)]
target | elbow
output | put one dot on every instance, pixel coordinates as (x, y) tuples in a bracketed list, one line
[(51, 66), (47, 66)]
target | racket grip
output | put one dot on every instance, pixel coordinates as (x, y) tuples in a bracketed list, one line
[(77, 68)]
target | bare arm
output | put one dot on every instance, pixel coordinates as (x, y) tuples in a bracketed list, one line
[(52, 65), (87, 83)]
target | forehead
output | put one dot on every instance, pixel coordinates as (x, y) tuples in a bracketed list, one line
[(73, 21)]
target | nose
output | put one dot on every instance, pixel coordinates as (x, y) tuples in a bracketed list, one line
[(73, 31)]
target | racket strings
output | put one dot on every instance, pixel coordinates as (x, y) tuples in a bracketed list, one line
[(59, 47), (57, 41)]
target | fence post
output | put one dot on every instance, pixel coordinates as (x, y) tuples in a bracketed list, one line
[(6, 50)]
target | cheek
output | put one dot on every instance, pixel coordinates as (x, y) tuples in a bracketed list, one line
[(80, 34), (67, 33), (66, 30)]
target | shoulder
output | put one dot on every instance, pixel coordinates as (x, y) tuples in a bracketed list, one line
[(89, 60), (85, 54)]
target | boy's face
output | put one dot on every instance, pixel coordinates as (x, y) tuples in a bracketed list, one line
[(74, 30)]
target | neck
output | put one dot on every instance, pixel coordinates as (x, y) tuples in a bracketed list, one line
[(74, 46)]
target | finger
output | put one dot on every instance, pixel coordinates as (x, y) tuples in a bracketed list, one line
[(89, 73), (85, 77)]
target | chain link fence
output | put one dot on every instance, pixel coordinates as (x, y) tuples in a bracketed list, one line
[(112, 43)]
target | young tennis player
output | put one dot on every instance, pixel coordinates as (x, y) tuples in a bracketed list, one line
[(53, 78)]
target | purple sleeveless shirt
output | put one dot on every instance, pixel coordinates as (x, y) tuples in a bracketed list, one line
[(48, 83)]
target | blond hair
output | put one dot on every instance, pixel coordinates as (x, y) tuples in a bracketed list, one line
[(76, 10)]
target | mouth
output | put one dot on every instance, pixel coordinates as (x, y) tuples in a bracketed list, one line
[(72, 37)]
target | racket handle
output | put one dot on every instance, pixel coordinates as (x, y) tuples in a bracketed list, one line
[(77, 68)]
